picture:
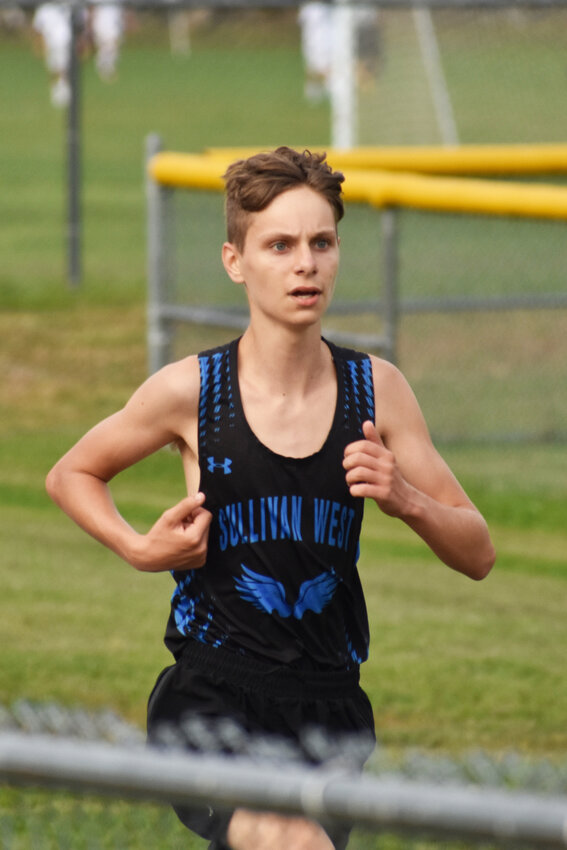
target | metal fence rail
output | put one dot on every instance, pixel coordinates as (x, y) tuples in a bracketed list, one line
[(167, 5), (479, 798), (379, 803)]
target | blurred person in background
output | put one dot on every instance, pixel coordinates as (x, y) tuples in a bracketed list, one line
[(367, 30), (12, 18), (106, 30), (52, 25), (318, 39), (180, 24), (316, 22)]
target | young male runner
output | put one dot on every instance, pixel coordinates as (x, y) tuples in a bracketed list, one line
[(282, 436)]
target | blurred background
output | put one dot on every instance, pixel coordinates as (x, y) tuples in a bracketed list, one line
[(455, 667), (213, 76)]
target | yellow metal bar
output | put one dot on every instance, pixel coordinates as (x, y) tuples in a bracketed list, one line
[(456, 194), (383, 188), (461, 159), (188, 171)]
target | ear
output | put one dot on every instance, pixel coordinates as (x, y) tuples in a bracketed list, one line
[(231, 262)]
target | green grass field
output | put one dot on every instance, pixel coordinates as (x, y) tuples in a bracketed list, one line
[(455, 665)]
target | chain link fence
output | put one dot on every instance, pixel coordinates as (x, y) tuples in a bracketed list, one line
[(81, 770), (481, 322), (225, 75)]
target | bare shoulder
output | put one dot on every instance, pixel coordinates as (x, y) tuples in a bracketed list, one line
[(164, 409), (388, 379), (181, 375), (173, 385), (397, 408), (167, 403)]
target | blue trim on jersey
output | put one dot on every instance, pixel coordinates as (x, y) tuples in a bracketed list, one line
[(362, 383), (368, 383), (353, 371), (204, 365), (216, 391)]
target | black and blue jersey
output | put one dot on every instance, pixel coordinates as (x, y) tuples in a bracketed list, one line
[(280, 582)]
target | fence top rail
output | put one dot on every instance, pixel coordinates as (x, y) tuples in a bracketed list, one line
[(382, 188), (173, 776), (167, 5), (497, 160)]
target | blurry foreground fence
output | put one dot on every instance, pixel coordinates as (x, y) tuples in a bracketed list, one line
[(479, 799)]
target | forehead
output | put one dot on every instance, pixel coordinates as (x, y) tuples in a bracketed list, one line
[(297, 209)]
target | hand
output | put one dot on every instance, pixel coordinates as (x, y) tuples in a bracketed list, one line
[(178, 540), (372, 472)]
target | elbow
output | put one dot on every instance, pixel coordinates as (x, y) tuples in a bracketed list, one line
[(484, 564), (53, 484), (482, 553)]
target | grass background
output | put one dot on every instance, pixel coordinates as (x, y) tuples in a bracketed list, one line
[(454, 665)]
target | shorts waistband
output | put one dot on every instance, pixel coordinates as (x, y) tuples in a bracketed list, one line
[(274, 679)]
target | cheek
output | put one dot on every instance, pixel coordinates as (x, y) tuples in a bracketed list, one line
[(332, 267)]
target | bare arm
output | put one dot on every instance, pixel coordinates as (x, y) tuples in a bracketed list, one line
[(160, 411), (398, 466)]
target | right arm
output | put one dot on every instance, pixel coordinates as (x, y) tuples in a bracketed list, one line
[(163, 410)]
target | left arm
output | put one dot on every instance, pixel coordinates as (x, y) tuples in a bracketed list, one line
[(398, 466)]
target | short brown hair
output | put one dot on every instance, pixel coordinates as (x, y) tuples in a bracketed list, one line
[(253, 183)]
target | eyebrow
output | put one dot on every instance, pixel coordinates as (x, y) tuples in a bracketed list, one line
[(282, 235)]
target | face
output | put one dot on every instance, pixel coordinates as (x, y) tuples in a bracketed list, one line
[(290, 258)]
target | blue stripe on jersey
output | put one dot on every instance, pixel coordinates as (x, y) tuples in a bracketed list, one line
[(215, 370), (355, 384), (368, 383), (361, 384), (217, 378), (204, 365)]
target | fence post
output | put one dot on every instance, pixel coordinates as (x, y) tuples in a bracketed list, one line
[(390, 295), (343, 81), (431, 55), (159, 331), (74, 212)]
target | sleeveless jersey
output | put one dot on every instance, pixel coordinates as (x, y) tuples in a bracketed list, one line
[(280, 582)]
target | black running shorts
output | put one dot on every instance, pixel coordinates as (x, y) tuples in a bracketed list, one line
[(316, 717)]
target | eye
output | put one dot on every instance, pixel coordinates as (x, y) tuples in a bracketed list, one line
[(321, 243), (279, 246)]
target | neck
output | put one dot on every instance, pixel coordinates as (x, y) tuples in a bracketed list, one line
[(285, 362)]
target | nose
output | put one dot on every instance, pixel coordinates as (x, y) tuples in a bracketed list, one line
[(306, 261)]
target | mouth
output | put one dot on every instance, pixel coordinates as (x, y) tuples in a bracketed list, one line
[(305, 293)]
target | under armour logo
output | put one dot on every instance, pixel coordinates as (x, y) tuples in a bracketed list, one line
[(225, 465)]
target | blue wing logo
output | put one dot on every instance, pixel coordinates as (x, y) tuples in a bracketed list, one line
[(315, 594), (267, 594)]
